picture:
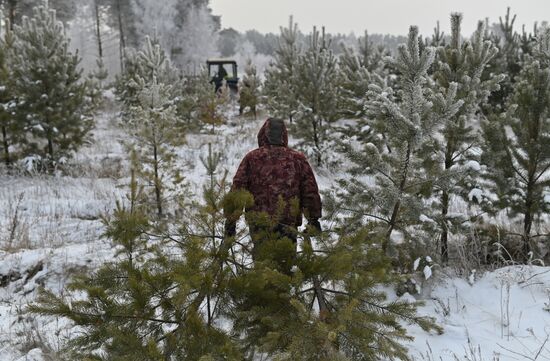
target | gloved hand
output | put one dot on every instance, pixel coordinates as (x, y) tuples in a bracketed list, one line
[(314, 225)]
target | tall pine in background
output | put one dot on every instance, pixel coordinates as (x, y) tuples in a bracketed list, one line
[(153, 123), (462, 64), (315, 80), (517, 151), (410, 117), (280, 93), (356, 68), (52, 95)]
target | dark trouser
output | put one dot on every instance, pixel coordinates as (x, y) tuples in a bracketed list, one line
[(275, 245)]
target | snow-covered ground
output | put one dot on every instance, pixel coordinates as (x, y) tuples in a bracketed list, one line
[(502, 315), (50, 228)]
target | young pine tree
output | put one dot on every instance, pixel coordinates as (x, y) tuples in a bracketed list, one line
[(211, 105), (52, 95), (326, 308), (161, 297), (249, 89), (141, 67), (356, 69), (316, 79), (155, 130), (507, 61), (517, 150), (409, 117), (463, 64), (279, 89)]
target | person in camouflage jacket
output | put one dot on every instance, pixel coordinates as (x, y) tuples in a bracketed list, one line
[(282, 184)]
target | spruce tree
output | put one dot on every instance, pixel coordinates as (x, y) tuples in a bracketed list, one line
[(315, 80), (249, 89), (463, 64), (409, 116), (279, 91), (52, 95), (517, 151)]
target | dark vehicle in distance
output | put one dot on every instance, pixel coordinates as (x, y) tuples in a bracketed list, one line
[(223, 69)]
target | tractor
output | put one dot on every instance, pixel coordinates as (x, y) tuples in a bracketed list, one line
[(223, 69)]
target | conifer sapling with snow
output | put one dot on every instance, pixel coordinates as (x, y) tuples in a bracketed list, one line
[(149, 302), (249, 89), (52, 95), (517, 150), (456, 161), (316, 80), (409, 117), (355, 72), (279, 91), (211, 105), (12, 129)]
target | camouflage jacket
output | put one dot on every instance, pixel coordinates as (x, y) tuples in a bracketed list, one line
[(280, 179)]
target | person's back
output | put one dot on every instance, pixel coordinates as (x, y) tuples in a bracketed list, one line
[(280, 180)]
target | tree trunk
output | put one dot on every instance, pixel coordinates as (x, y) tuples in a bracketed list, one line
[(528, 218), (50, 153), (98, 30), (323, 308), (158, 194), (324, 311), (12, 4), (122, 47), (445, 206), (397, 206), (444, 230), (316, 140), (6, 146)]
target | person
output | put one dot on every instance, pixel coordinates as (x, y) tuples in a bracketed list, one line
[(219, 77), (283, 188), (222, 73)]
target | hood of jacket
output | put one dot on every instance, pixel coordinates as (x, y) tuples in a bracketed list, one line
[(273, 132)]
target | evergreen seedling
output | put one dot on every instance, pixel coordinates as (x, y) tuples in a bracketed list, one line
[(52, 96)]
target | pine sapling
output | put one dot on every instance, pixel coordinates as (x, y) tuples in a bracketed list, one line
[(462, 64), (409, 117)]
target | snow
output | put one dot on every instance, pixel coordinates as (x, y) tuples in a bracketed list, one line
[(427, 272), (426, 219), (476, 194), (473, 165), (416, 264), (475, 313)]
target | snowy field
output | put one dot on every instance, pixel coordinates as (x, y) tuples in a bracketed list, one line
[(50, 229)]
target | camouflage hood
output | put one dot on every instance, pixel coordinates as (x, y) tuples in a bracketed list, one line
[(273, 132)]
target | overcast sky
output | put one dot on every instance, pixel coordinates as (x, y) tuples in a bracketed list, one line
[(379, 16)]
